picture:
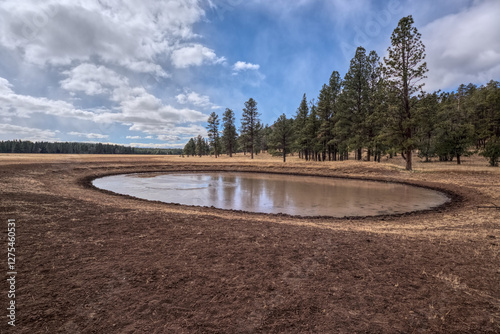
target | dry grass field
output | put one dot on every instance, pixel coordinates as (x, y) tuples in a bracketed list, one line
[(89, 261)]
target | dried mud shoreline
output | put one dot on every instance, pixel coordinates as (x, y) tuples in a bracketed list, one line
[(94, 262)]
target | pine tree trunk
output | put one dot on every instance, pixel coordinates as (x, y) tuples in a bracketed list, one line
[(458, 159), (408, 160), (284, 151)]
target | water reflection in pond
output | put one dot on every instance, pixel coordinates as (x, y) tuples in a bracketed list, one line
[(274, 193)]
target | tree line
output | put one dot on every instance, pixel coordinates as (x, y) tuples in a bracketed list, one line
[(378, 108), (25, 146), (249, 140)]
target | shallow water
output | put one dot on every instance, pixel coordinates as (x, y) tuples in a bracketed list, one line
[(274, 193)]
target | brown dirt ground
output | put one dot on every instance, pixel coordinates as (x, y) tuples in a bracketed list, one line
[(93, 262)]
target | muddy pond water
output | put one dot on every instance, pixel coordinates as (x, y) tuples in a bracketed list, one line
[(276, 193)]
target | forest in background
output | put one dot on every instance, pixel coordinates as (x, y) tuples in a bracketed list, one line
[(378, 108), (25, 146)]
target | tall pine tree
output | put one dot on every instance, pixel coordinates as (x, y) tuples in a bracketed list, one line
[(213, 132), (229, 135), (312, 128), (404, 70), (356, 100), (300, 144), (190, 148), (373, 122), (250, 125), (325, 113), (335, 87), (282, 135)]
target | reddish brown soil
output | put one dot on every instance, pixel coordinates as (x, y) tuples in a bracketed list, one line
[(93, 262)]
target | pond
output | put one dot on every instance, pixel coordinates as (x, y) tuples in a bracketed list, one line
[(276, 193)]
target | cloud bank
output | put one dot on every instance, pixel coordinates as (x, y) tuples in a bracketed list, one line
[(463, 47)]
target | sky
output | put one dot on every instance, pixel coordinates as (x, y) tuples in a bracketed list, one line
[(149, 73)]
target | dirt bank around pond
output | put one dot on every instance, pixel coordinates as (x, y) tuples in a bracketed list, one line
[(89, 261)]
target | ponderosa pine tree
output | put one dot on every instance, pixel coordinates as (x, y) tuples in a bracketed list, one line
[(200, 146), (492, 106), (355, 97), (335, 87), (250, 125), (213, 132), (190, 148), (404, 70), (229, 135), (265, 138), (427, 113), (282, 135), (312, 128), (373, 122), (300, 144), (259, 138), (324, 110), (455, 131)]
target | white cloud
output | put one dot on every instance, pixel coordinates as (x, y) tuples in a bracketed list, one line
[(253, 76), (463, 47), (136, 108), (171, 132), (126, 33), (133, 137), (9, 131), (145, 67), (12, 104), (195, 99), (5, 86), (242, 66), (194, 55), (92, 79), (168, 138), (88, 135), (102, 49), (148, 109), (187, 131)]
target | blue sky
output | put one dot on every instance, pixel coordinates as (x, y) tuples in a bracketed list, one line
[(148, 73)]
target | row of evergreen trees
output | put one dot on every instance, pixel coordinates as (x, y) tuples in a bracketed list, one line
[(249, 140), (446, 126), (377, 108), (24, 146)]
